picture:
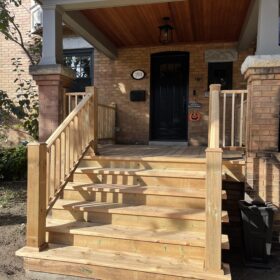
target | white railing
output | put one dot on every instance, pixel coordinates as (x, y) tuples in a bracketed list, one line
[(234, 117)]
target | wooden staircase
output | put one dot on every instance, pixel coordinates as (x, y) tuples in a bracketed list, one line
[(116, 217), (130, 219)]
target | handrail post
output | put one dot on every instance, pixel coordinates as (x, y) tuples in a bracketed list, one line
[(213, 250), (36, 196), (114, 105), (94, 118)]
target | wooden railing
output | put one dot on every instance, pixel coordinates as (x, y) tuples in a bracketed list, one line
[(51, 164), (233, 118), (106, 114), (213, 249), (72, 99), (106, 121)]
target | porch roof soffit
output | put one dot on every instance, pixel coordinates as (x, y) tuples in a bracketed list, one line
[(70, 5), (86, 29), (250, 27)]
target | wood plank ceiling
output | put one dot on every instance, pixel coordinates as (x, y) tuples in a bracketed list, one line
[(193, 20)]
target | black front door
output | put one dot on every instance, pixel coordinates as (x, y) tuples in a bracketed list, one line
[(169, 96)]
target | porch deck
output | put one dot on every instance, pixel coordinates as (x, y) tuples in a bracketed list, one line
[(149, 152)]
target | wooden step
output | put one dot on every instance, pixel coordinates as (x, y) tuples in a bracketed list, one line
[(194, 164), (111, 265), (138, 216), (196, 239), (145, 177), (145, 172), (137, 195)]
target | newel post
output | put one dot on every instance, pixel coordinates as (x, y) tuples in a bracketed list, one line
[(36, 196), (213, 250)]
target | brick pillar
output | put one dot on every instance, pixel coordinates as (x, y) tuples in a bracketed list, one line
[(52, 80), (263, 79), (263, 109)]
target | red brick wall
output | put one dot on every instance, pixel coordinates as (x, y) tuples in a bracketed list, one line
[(9, 50), (113, 80)]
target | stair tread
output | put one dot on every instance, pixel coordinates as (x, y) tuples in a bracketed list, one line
[(186, 238), (138, 210), (162, 190), (164, 172), (146, 159), (137, 189), (119, 260)]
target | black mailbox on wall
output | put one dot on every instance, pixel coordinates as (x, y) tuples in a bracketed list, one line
[(138, 95)]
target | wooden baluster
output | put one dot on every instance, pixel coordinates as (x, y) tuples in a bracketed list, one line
[(94, 121), (87, 124), (57, 164), (232, 119), (213, 249), (48, 183), (241, 119), (83, 131), (36, 198), (62, 165), (114, 121), (224, 119), (67, 148), (76, 135), (71, 144), (52, 169), (69, 104)]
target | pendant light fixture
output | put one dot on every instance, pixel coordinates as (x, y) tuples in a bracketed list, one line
[(166, 31)]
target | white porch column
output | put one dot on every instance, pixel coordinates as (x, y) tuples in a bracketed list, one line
[(52, 35), (268, 28)]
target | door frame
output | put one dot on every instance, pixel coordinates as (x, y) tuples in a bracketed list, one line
[(187, 57)]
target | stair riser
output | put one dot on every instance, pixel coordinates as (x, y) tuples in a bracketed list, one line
[(136, 199), (146, 222), (144, 164), (89, 271), (180, 252), (190, 183)]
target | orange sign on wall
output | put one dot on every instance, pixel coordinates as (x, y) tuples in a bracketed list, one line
[(194, 116)]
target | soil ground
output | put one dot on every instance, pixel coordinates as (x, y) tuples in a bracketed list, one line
[(12, 229), (12, 237)]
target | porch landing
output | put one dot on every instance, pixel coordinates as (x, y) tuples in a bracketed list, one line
[(163, 152)]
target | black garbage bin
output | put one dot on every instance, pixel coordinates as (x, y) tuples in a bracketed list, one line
[(257, 221)]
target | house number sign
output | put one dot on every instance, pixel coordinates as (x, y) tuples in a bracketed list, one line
[(138, 74)]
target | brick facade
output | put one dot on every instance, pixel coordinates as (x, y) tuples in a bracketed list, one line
[(114, 82), (9, 50), (262, 160)]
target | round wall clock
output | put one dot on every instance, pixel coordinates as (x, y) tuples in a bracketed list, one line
[(138, 74)]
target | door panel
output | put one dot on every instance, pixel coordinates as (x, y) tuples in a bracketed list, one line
[(169, 84)]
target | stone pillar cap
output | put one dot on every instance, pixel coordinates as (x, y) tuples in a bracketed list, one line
[(260, 61), (52, 69)]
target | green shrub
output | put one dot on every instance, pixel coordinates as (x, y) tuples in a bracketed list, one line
[(13, 163)]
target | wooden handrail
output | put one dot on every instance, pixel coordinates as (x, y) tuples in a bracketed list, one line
[(213, 249), (68, 119), (51, 164)]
